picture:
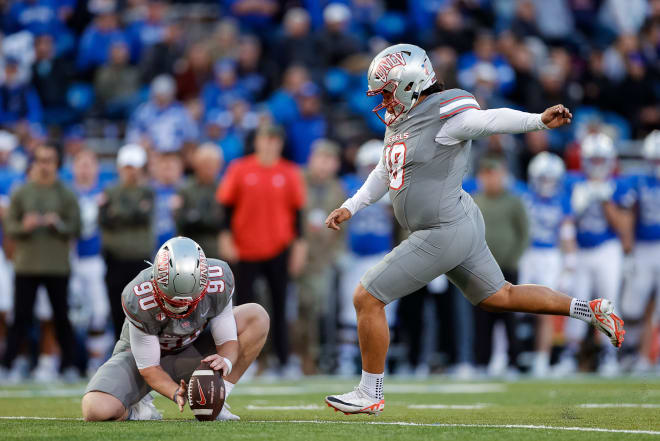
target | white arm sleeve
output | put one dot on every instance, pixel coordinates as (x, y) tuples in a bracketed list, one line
[(372, 190), (474, 123), (145, 347), (223, 326)]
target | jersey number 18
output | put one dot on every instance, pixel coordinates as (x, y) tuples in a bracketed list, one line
[(395, 158)]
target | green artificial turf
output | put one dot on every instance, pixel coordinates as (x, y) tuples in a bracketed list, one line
[(471, 410)]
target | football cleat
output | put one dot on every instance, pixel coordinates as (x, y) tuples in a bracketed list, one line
[(604, 319), (226, 415), (144, 410), (355, 402)]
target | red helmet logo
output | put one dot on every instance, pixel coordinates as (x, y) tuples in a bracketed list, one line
[(388, 63)]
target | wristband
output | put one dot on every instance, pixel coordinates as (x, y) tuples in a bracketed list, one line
[(229, 365), (176, 392)]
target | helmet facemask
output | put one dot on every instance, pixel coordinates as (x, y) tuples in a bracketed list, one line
[(599, 168), (178, 307), (546, 186), (393, 103)]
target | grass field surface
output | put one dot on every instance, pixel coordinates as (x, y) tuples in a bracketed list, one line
[(439, 408)]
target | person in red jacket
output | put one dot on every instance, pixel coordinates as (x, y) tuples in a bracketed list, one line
[(263, 196)]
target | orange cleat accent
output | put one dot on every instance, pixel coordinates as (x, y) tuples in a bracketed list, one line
[(606, 321)]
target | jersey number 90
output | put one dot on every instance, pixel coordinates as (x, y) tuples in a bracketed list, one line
[(216, 286)]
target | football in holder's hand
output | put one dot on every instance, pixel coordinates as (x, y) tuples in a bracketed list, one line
[(206, 393)]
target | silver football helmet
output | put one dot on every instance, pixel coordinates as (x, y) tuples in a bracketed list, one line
[(598, 156), (404, 70), (546, 172), (180, 277), (651, 150)]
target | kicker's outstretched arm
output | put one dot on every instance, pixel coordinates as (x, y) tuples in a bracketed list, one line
[(475, 123)]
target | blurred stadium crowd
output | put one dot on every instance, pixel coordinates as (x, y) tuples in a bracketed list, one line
[(243, 123)]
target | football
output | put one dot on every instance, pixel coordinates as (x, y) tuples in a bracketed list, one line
[(206, 393)]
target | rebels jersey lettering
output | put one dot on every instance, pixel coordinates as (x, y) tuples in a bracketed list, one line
[(142, 310), (592, 226), (426, 176), (371, 230), (646, 191), (546, 216)]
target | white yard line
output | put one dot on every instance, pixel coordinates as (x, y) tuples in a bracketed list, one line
[(449, 406), (486, 426), (618, 405), (407, 424)]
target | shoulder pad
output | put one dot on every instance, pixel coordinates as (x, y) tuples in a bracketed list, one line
[(221, 284), (454, 101)]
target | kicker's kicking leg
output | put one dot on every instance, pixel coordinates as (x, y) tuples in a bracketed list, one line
[(539, 299), (536, 299)]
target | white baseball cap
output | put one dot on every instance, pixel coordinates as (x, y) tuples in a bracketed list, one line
[(336, 13), (131, 155)]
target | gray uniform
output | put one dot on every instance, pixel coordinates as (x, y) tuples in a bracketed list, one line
[(183, 342), (427, 196)]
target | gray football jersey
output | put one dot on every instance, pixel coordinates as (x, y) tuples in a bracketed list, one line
[(141, 308), (425, 176)]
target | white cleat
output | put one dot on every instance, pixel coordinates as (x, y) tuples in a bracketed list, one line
[(226, 415), (604, 319), (144, 410), (355, 402)]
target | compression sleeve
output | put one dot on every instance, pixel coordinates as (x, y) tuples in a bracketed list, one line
[(223, 326), (474, 123), (145, 347), (372, 190)]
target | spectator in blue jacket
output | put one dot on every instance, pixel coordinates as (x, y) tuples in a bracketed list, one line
[(282, 103), (41, 16), (162, 123), (19, 100), (484, 52), (310, 126), (149, 31), (224, 88), (97, 39), (216, 131)]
